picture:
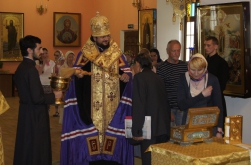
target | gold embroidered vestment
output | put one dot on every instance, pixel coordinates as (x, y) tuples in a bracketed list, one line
[(105, 92)]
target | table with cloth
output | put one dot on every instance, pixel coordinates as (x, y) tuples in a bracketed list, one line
[(199, 154)]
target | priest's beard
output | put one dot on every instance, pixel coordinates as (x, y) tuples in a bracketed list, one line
[(35, 57)]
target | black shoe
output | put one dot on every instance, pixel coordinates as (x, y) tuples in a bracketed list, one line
[(56, 114)]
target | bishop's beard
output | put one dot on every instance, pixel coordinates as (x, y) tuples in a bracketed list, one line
[(103, 46)]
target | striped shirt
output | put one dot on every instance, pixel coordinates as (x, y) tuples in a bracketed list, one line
[(170, 74)]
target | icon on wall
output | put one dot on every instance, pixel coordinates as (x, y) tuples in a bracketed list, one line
[(11, 30), (67, 29), (229, 23), (148, 28)]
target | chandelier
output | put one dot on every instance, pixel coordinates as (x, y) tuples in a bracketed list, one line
[(137, 3), (180, 9), (41, 8)]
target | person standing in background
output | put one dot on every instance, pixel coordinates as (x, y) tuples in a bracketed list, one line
[(149, 99), (45, 70), (218, 67), (69, 60), (156, 60), (33, 141), (146, 52), (68, 63), (170, 71), (59, 61), (129, 57)]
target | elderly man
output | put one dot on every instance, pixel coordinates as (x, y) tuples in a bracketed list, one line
[(170, 71), (96, 105)]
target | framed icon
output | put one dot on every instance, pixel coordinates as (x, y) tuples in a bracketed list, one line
[(147, 28), (230, 24), (11, 30), (66, 29)]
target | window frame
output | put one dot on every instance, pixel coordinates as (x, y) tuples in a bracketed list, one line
[(192, 19)]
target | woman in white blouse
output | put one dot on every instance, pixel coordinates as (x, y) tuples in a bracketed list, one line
[(45, 69)]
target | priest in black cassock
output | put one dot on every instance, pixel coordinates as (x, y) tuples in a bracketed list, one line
[(33, 141)]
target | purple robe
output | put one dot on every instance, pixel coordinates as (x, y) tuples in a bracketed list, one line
[(74, 145)]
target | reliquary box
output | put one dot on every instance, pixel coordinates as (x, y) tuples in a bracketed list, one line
[(198, 128)]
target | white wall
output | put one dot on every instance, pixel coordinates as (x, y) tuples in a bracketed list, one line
[(167, 30)]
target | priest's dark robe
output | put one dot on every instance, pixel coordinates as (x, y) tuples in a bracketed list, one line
[(33, 142)]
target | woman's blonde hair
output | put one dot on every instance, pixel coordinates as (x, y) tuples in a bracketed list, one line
[(198, 61)]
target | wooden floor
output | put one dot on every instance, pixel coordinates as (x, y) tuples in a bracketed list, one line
[(8, 124)]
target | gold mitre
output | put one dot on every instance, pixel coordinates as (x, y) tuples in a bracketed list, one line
[(100, 26)]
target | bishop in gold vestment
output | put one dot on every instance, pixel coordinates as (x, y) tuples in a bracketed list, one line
[(96, 104)]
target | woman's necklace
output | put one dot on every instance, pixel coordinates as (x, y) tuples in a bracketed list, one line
[(196, 84)]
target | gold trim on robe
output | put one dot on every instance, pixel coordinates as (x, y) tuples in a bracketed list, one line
[(93, 145), (121, 62), (109, 145), (105, 98), (90, 52), (109, 56), (4, 106)]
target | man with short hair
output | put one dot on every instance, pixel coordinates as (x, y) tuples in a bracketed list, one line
[(96, 105), (217, 66), (149, 99), (33, 141), (170, 71)]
